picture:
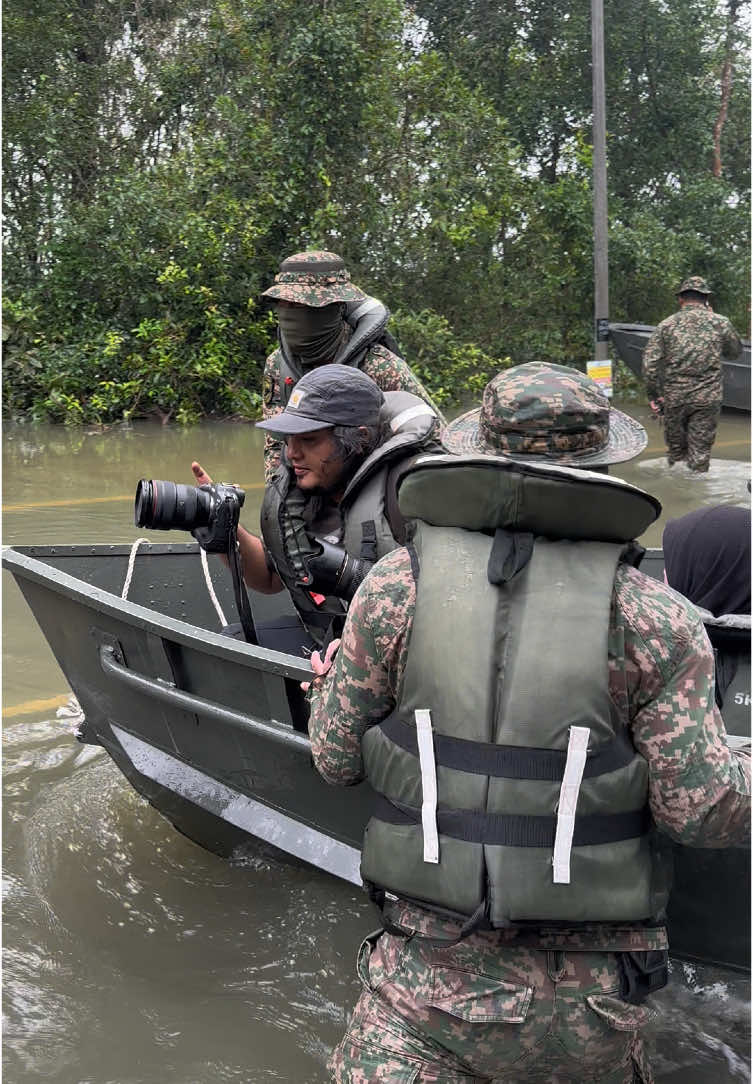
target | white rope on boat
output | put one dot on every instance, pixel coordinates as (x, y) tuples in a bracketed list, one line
[(210, 586), (204, 565), (129, 573)]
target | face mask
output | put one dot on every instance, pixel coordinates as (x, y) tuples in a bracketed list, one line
[(312, 334)]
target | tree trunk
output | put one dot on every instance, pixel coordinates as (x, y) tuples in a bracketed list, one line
[(732, 7)]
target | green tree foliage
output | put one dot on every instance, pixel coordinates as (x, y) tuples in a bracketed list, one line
[(161, 159)]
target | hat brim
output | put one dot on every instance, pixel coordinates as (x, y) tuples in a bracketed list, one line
[(316, 297), (627, 439), (286, 424)]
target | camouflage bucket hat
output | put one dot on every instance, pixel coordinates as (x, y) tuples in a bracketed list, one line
[(695, 282), (536, 412), (313, 278)]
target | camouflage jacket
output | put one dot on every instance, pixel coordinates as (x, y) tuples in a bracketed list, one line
[(386, 369), (683, 358), (661, 675)]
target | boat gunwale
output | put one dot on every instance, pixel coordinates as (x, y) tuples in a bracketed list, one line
[(28, 562), (620, 326)]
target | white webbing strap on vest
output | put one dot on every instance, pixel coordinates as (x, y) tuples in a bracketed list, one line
[(407, 415), (428, 784), (577, 748), (371, 304)]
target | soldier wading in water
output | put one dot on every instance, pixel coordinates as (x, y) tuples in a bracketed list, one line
[(682, 368), (323, 318), (536, 717)]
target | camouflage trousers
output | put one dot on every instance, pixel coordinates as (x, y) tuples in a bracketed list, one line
[(689, 432), (480, 1012)]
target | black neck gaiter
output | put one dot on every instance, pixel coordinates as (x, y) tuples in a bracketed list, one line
[(312, 334)]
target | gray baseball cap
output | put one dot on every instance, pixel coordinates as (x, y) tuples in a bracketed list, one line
[(327, 396)]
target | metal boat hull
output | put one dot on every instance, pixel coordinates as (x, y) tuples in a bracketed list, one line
[(630, 342), (210, 729)]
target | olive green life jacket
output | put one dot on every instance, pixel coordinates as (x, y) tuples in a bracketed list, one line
[(368, 532), (508, 784)]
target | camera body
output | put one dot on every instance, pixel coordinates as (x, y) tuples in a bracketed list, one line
[(227, 500), (209, 512)]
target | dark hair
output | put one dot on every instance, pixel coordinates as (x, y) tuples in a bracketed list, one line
[(352, 442), (693, 295)]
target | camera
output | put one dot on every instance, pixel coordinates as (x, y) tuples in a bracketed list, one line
[(334, 571), (209, 512)]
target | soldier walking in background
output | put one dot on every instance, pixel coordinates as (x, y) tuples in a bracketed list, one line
[(524, 926), (682, 368), (324, 318)]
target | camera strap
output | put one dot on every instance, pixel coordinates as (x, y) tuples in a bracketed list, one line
[(239, 588)]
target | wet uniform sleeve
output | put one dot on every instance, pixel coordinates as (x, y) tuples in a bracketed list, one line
[(361, 688), (271, 405), (699, 788), (653, 356)]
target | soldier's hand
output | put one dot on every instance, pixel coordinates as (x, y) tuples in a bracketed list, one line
[(201, 476), (657, 405), (320, 665)]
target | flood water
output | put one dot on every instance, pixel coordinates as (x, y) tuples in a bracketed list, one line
[(133, 956)]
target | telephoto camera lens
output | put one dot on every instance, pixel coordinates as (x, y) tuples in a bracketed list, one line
[(161, 506)]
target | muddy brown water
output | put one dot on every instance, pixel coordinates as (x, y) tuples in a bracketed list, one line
[(131, 955)]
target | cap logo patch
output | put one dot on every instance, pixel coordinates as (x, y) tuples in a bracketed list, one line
[(296, 398)]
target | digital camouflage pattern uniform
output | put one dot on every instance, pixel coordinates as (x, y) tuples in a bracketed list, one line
[(507, 1006), (682, 364), (540, 1004), (316, 288)]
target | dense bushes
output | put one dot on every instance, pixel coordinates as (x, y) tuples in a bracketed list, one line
[(160, 162)]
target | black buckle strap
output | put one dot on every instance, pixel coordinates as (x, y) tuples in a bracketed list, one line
[(509, 761), (511, 551), (642, 973), (369, 541), (517, 830)]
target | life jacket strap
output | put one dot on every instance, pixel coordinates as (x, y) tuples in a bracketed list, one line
[(509, 761), (577, 748), (428, 785), (369, 550), (519, 830)]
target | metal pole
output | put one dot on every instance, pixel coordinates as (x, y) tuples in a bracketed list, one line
[(601, 257)]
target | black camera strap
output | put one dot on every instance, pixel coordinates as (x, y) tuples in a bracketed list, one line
[(239, 588)]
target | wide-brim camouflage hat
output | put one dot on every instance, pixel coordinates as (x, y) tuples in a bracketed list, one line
[(313, 278), (537, 412), (695, 283)]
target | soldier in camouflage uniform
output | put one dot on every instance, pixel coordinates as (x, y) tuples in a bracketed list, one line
[(526, 1003), (312, 290), (682, 367)]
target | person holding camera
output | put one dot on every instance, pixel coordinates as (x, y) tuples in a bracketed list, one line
[(532, 713), (682, 368), (324, 318), (329, 511)]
